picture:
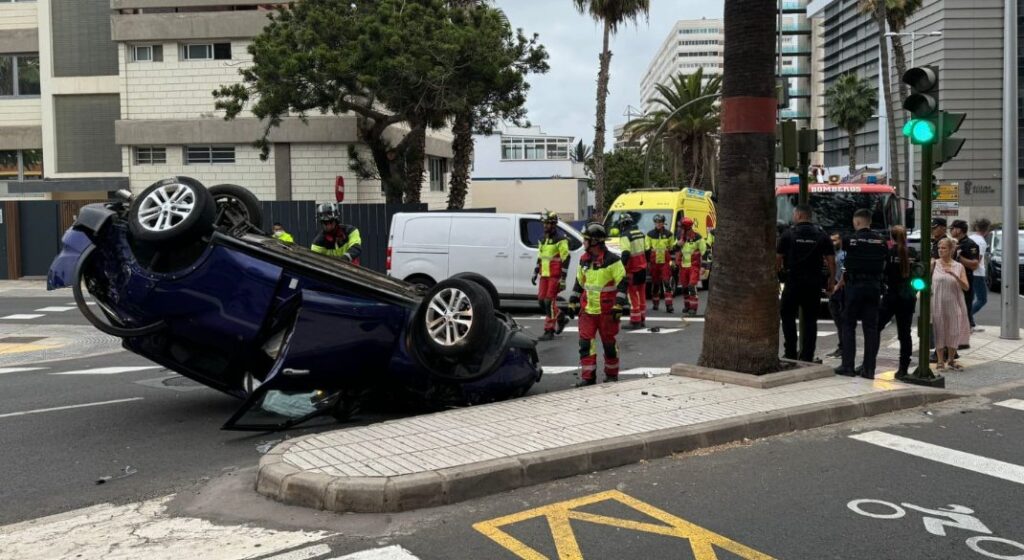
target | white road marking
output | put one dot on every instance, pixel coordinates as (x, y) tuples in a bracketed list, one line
[(105, 370), (302, 553), (646, 370), (394, 552), (69, 407), (54, 309), (555, 370), (648, 331), (143, 530), (826, 333), (1016, 404), (18, 369), (21, 317), (944, 455)]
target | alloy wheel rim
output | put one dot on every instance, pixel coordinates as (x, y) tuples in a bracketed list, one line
[(449, 317), (166, 207)]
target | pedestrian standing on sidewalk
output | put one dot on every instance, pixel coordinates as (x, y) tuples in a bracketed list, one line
[(660, 248), (599, 296), (899, 297), (967, 254), (862, 280), (949, 311), (633, 244), (835, 298), (978, 279), (938, 234), (801, 253)]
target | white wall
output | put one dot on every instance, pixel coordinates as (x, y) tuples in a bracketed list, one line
[(529, 196), (314, 167), (20, 112), (487, 163), (19, 15), (247, 171)]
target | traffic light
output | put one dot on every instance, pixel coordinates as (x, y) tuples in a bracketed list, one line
[(917, 281), (923, 103), (917, 191), (787, 137), (947, 147)]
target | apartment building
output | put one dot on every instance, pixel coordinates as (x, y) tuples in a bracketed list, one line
[(794, 58), (692, 44), (528, 170), (126, 99)]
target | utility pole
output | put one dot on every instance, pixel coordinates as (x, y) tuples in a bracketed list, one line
[(1010, 328)]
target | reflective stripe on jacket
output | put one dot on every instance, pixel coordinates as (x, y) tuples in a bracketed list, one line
[(661, 245), (284, 237), (690, 244), (553, 256), (599, 280), (634, 244), (347, 243)]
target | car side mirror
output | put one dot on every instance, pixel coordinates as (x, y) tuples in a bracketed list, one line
[(910, 219)]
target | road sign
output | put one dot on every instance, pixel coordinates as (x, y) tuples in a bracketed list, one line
[(947, 200), (948, 193)]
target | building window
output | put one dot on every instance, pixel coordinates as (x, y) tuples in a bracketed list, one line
[(18, 165), (438, 168), (519, 148), (19, 75), (150, 156), (209, 154), (206, 51), (148, 53)]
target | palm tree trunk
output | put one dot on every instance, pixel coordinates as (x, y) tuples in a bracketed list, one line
[(746, 284), (462, 158), (602, 100), (893, 169), (852, 134), (901, 63)]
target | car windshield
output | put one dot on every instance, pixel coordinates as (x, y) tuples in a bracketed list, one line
[(644, 219), (997, 242), (834, 211)]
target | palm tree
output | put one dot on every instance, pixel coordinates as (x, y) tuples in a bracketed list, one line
[(581, 153), (878, 11), (612, 14), (690, 135), (897, 12), (850, 102), (741, 331)]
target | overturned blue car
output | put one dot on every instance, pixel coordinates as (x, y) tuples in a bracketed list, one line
[(185, 278)]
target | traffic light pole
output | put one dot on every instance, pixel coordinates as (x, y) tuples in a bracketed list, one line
[(923, 374)]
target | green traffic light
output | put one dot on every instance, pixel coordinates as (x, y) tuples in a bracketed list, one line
[(920, 131), (918, 284)]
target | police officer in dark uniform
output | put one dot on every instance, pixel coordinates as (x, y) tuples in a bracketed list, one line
[(898, 298), (866, 253), (802, 250)]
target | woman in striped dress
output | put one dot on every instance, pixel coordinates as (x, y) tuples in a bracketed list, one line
[(949, 312)]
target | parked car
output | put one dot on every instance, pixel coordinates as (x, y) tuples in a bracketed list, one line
[(425, 248), (994, 268), (185, 279)]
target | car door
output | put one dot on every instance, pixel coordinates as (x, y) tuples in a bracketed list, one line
[(530, 231), (483, 244)]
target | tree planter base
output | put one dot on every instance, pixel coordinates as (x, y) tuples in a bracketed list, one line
[(802, 372)]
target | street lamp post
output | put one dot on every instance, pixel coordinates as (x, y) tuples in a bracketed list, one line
[(906, 141), (1009, 328)]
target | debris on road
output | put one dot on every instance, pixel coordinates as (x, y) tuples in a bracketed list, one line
[(125, 473)]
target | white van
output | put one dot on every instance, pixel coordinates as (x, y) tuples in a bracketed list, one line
[(425, 248)]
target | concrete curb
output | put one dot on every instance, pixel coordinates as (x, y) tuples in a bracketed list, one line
[(286, 483), (805, 372)]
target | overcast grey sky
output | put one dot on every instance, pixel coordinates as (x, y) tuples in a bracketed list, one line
[(562, 101)]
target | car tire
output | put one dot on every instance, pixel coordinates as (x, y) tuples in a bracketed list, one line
[(150, 218), (484, 283), (450, 299), (235, 203), (423, 282)]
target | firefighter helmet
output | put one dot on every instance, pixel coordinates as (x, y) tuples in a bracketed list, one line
[(687, 223), (326, 212), (659, 219), (595, 232), (625, 220), (549, 217)]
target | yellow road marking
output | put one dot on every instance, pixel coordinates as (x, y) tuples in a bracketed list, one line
[(702, 542), (7, 348)]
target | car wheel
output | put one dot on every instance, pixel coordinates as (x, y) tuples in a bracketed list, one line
[(175, 210), (423, 283), (484, 283), (236, 205), (458, 317)]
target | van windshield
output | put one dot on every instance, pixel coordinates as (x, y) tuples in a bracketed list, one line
[(834, 211), (644, 219)]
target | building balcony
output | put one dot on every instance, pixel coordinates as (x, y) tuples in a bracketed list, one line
[(799, 93), (796, 71), (188, 25), (796, 28), (799, 50), (794, 115), (794, 5)]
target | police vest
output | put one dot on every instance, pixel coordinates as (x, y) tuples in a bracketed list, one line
[(866, 254), (804, 255)]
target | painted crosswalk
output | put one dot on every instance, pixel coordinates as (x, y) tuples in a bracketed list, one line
[(113, 370), (146, 530), (21, 317), (43, 312), (639, 371)]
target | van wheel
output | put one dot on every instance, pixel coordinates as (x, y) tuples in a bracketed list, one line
[(458, 319), (176, 210), (423, 282), (484, 283)]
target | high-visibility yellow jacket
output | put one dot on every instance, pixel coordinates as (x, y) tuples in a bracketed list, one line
[(691, 247), (660, 245), (344, 240), (599, 279), (634, 247), (553, 256), (284, 237)]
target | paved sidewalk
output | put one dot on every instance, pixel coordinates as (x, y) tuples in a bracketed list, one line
[(464, 453), (29, 288)]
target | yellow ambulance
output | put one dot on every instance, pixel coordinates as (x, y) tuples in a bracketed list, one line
[(644, 204)]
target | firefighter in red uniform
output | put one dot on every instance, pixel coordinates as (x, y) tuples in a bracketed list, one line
[(633, 244), (660, 250), (552, 267), (598, 298), (691, 247)]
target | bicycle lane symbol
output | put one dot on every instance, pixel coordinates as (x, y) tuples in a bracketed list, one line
[(937, 521)]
